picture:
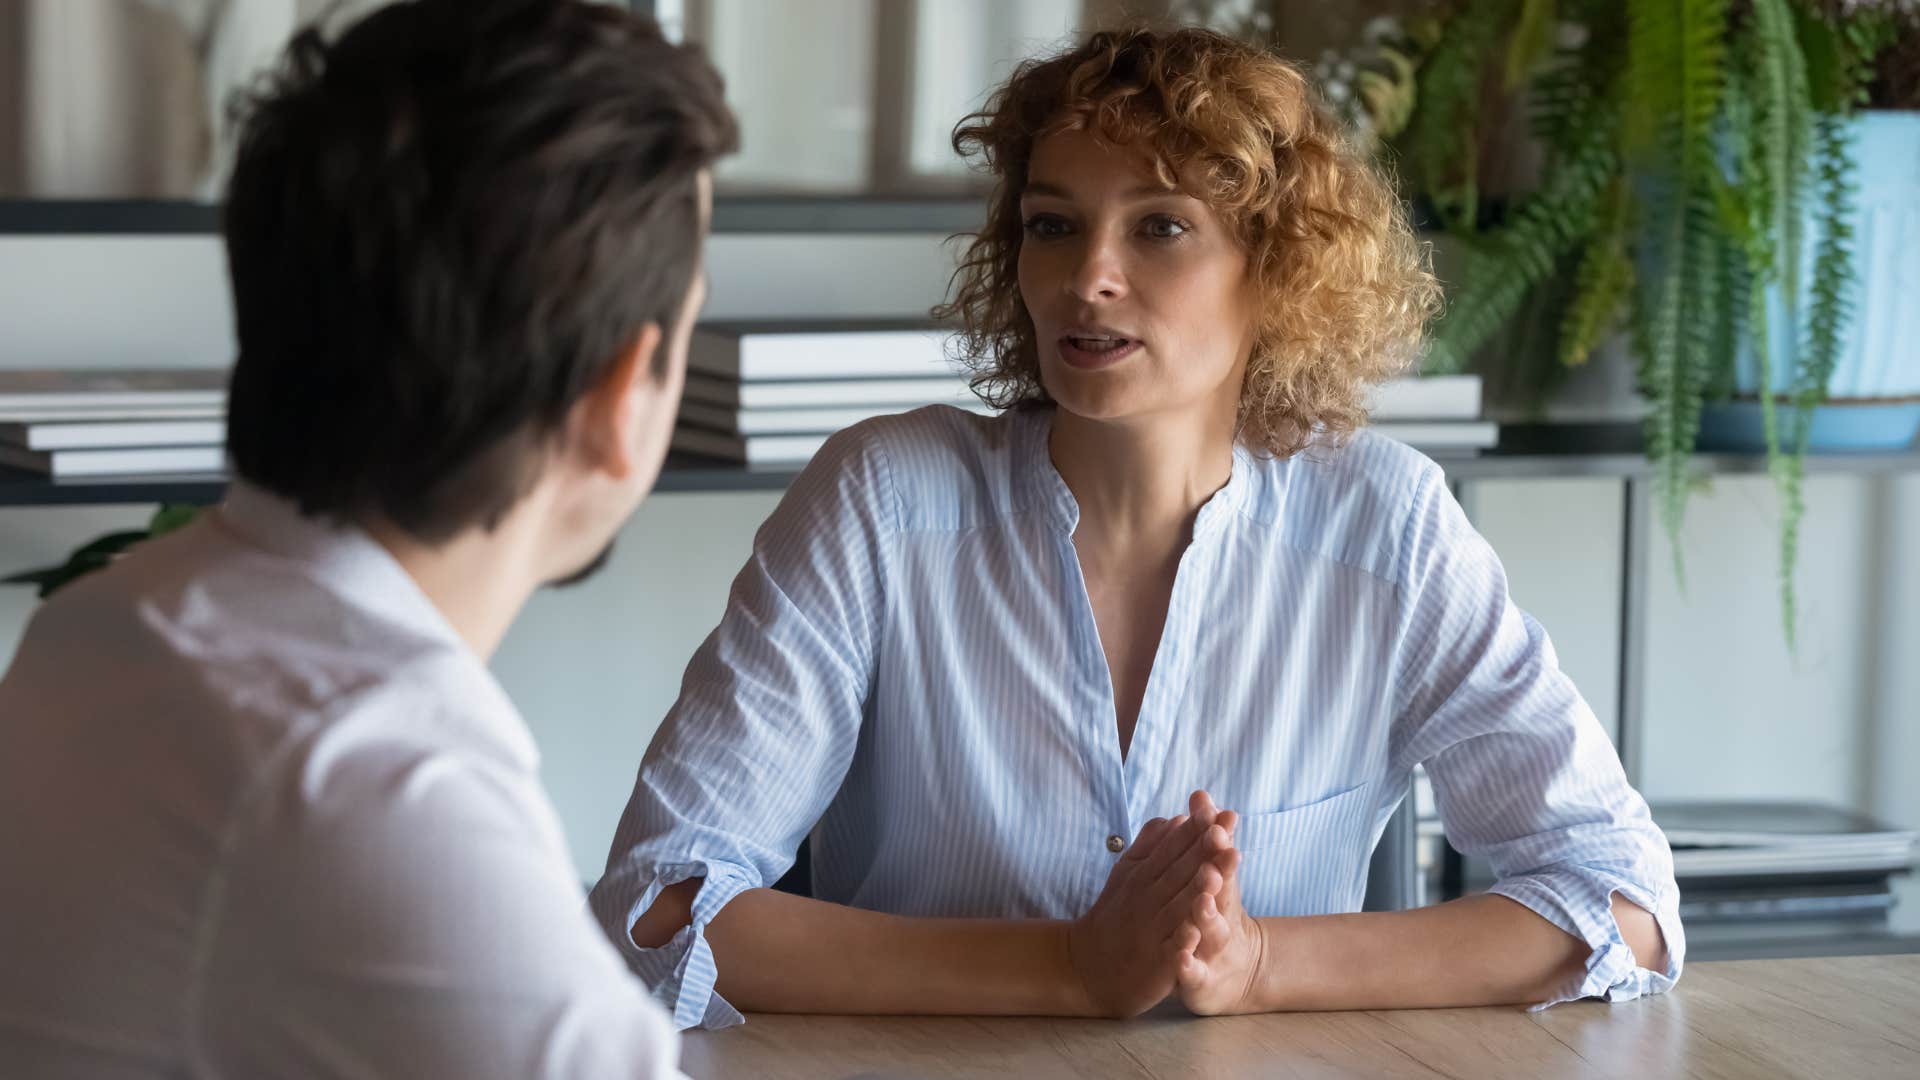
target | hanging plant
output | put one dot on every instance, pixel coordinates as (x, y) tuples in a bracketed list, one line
[(1682, 143)]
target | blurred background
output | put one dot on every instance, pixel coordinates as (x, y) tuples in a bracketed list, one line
[(1744, 618)]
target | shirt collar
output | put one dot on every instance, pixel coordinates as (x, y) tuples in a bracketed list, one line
[(1048, 493), (345, 561)]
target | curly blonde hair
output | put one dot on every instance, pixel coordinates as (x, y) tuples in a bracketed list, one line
[(1346, 290)]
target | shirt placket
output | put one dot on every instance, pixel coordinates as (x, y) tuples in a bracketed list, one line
[(1160, 707)]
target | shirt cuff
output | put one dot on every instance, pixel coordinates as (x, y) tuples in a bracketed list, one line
[(681, 973), (1580, 901)]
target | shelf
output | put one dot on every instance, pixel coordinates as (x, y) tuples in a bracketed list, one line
[(1544, 451), (732, 213), (681, 473), (1775, 941), (1526, 451)]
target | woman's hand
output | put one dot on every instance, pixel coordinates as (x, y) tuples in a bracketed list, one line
[(1128, 950), (1218, 976)]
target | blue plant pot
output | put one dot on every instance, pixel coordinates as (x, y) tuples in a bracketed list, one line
[(1837, 426), (1876, 382)]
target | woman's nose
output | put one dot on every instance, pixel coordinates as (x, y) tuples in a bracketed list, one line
[(1098, 273)]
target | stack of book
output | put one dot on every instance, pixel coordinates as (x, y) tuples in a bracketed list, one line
[(1436, 414), (770, 393), (1752, 863), (113, 422), (1756, 878)]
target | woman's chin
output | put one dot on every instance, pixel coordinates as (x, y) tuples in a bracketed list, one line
[(1100, 406)]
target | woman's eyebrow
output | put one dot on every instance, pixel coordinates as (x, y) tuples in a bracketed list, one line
[(1135, 194)]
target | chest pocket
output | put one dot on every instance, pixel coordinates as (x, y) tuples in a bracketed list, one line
[(1310, 860)]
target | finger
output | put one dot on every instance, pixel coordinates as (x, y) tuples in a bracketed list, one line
[(1181, 832), (1183, 938), (1191, 973), (1203, 850), (1228, 863), (1180, 908), (1200, 806), (1216, 933), (1230, 821), (1149, 836)]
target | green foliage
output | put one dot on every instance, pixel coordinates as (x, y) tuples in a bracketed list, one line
[(1684, 143), (1441, 144)]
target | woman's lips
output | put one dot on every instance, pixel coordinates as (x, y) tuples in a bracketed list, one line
[(1079, 353)]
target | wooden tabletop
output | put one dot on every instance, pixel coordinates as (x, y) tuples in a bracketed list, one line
[(1750, 1019)]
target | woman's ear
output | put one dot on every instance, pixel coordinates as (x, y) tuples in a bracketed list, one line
[(607, 418)]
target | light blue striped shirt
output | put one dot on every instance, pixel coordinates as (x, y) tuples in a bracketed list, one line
[(909, 661)]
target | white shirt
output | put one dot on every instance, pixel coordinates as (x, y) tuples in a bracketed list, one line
[(263, 813)]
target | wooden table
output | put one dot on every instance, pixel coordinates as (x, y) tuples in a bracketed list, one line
[(1848, 1017)]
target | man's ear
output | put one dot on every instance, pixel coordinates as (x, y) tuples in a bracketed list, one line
[(607, 417)]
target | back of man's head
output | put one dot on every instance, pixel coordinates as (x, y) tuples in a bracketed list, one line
[(442, 228)]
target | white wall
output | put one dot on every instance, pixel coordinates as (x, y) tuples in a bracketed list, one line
[(593, 668), (1728, 713)]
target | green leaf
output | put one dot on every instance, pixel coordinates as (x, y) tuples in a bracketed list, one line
[(172, 516), (1443, 139), (1602, 283), (1532, 40)]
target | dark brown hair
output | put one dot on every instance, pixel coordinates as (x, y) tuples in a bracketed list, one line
[(441, 229)]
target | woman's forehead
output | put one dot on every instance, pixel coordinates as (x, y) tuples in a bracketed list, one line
[(1065, 161)]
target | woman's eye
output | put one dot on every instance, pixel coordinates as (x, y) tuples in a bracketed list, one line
[(1045, 226), (1165, 227)]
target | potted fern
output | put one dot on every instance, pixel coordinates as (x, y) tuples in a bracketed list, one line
[(1684, 145)]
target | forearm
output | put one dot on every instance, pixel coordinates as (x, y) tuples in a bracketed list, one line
[(1479, 950), (781, 953)]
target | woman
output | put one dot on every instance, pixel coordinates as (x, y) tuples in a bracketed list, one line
[(982, 653)]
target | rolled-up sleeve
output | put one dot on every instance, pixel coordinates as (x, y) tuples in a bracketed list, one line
[(1522, 772), (766, 723)]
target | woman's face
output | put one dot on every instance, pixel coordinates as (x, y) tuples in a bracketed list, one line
[(1139, 295)]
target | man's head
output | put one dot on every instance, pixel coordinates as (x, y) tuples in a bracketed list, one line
[(465, 242)]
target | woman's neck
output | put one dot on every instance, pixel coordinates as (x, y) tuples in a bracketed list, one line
[(1139, 483)]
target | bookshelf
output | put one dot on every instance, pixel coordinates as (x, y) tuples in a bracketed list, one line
[(1526, 451)]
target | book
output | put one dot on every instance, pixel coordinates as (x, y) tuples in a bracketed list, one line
[(1736, 862), (748, 449), (792, 421), (822, 393), (748, 351), (101, 387), (1442, 435), (1744, 823), (126, 461), (63, 435), (1428, 397), (1787, 901), (1735, 838), (43, 414)]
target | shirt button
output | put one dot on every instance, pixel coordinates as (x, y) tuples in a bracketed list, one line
[(1116, 844)]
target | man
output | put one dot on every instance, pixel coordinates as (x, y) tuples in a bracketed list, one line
[(263, 811)]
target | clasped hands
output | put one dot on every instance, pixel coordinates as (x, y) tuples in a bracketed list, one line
[(1170, 921)]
